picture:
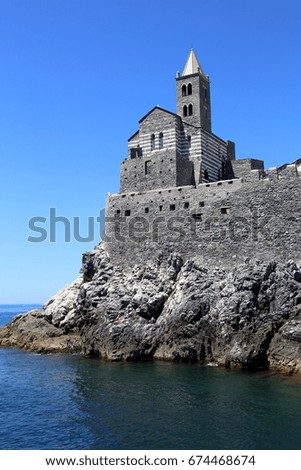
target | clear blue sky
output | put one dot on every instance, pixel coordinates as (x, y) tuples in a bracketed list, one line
[(77, 75)]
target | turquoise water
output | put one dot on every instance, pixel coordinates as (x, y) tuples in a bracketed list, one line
[(68, 402)]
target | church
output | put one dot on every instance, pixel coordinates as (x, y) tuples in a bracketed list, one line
[(182, 190), (171, 150)]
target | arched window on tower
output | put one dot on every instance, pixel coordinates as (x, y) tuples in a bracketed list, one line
[(161, 143), (189, 89), (185, 110), (190, 110), (153, 142), (184, 90)]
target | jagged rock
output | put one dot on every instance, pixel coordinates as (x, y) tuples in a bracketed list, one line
[(60, 309), (285, 348), (246, 317)]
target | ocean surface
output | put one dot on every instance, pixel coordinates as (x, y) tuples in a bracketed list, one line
[(62, 401)]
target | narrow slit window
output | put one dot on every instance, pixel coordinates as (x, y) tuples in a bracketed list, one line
[(153, 143), (189, 141), (161, 141)]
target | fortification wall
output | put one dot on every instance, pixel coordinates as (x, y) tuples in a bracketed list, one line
[(256, 217)]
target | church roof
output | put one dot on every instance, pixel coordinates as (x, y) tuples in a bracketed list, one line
[(192, 65), (160, 109)]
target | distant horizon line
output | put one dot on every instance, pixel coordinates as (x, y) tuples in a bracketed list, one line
[(22, 303)]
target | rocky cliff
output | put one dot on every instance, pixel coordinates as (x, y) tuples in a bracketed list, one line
[(248, 316)]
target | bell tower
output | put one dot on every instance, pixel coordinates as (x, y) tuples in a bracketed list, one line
[(193, 94)]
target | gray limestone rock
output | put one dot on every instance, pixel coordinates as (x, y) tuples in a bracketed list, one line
[(167, 309)]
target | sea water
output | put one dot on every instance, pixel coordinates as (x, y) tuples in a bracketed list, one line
[(65, 401)]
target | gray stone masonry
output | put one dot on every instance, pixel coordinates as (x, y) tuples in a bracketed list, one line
[(199, 99), (225, 222), (183, 191), (186, 134)]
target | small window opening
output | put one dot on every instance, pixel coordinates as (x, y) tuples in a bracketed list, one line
[(185, 110), (201, 204), (197, 216), (146, 210), (161, 143), (186, 205), (184, 90), (225, 210), (118, 211), (189, 141), (127, 213), (190, 110), (189, 89), (153, 143), (172, 207), (206, 175), (160, 208), (136, 152)]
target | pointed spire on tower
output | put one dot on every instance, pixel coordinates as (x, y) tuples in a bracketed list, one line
[(192, 65)]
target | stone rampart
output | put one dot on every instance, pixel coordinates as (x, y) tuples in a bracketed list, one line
[(224, 222)]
